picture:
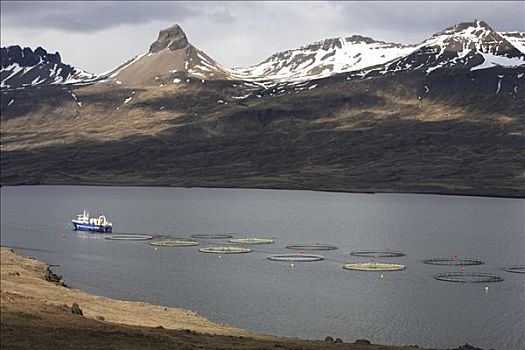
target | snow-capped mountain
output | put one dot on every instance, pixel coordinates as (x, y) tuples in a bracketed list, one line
[(324, 58), (469, 45), (25, 67)]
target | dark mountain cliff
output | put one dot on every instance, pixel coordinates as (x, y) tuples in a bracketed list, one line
[(21, 67)]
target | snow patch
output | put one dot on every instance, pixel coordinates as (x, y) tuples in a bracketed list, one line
[(241, 97), (499, 85), (490, 60)]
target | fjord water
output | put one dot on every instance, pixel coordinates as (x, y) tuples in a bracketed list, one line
[(310, 300)]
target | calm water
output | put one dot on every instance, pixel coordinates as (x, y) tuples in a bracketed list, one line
[(310, 300)]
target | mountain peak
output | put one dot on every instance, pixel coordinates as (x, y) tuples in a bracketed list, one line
[(474, 24), (475, 28), (173, 38)]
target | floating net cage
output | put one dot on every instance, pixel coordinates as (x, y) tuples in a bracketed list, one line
[(176, 242), (377, 254), (213, 236), (516, 268), (373, 266), (251, 240), (225, 250), (128, 237), (295, 257), (468, 277), (453, 261), (311, 247)]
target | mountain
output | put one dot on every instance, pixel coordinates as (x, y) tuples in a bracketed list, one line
[(325, 58), (469, 45), (443, 116), (170, 58), (25, 67)]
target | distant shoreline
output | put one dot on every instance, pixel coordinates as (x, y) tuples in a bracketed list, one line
[(273, 188)]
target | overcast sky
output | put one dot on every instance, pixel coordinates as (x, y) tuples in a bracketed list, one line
[(98, 36)]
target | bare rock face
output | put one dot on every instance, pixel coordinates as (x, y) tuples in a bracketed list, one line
[(173, 38), (25, 57)]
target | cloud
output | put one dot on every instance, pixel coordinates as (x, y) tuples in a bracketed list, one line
[(100, 35), (89, 16)]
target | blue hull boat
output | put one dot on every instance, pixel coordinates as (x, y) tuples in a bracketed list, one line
[(94, 228), (84, 223)]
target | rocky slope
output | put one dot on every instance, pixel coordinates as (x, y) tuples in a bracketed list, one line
[(21, 67), (170, 59), (447, 117)]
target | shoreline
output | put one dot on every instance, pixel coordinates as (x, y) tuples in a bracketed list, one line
[(270, 188), (35, 301)]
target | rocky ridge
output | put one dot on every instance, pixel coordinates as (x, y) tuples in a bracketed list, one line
[(21, 67)]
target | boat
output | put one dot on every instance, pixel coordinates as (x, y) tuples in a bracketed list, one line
[(84, 223)]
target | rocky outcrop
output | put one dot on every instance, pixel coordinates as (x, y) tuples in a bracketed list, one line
[(21, 67), (52, 277), (25, 57), (76, 310), (172, 38)]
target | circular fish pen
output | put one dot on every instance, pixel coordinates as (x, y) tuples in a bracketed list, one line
[(377, 254), (177, 242), (128, 237), (516, 269), (251, 240), (453, 262), (311, 247), (373, 266), (468, 277), (295, 257), (213, 236), (225, 249)]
